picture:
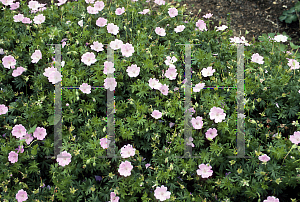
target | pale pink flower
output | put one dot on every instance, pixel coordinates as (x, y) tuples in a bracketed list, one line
[(204, 171), (110, 83), (26, 20), (8, 61), (21, 195), (92, 10), (211, 133), (64, 158), (99, 5), (127, 50), (201, 25), (209, 71), (160, 2), (88, 58), (156, 114), (33, 5), (36, 56), (18, 71), (18, 18), (271, 199), (104, 142), (127, 151), (40, 133), (176, 88), (113, 29), (173, 12), (190, 142), (145, 11), (120, 11), (61, 2), (18, 131), (63, 44), (39, 19), (89, 1), (7, 2), (198, 87), (20, 149), (108, 68), (264, 158), (208, 15), (80, 23), (85, 88), (197, 122), (28, 138), (113, 197), (280, 38), (171, 73), (161, 193), (179, 28), (15, 6), (133, 70), (116, 44), (160, 31), (235, 40), (3, 109), (295, 138), (164, 89), (125, 168), (154, 83), (97, 46), (54, 77), (13, 157), (223, 27), (217, 114), (257, 58), (293, 64), (101, 22), (170, 61)]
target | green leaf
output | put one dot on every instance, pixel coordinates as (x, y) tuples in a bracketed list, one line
[(291, 18), (32, 129), (34, 149), (297, 6), (51, 120), (293, 46)]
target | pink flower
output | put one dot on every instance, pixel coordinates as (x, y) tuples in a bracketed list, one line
[(173, 12), (235, 40), (176, 88), (293, 64), (92, 10), (36, 56), (211, 133), (295, 138), (160, 2), (108, 68), (223, 27), (207, 71), (20, 149), (280, 38), (156, 114), (28, 138), (160, 31), (14, 6), (120, 11), (39, 19), (7, 2), (61, 2), (64, 158), (113, 197), (133, 70), (208, 15), (271, 199), (145, 11), (18, 131), (18, 71), (104, 142), (179, 28), (217, 114), (147, 165), (170, 61), (204, 171), (97, 46), (113, 29), (197, 122), (85, 88), (257, 58), (110, 83), (99, 5), (161, 193), (190, 142), (8, 61), (40, 133), (171, 73), (80, 23), (18, 18), (3, 109), (54, 77), (201, 25), (26, 20), (125, 168), (154, 83), (116, 44), (89, 1), (21, 195), (88, 58), (127, 50), (34, 5), (198, 87), (101, 22), (264, 158), (164, 89), (127, 151), (13, 157)]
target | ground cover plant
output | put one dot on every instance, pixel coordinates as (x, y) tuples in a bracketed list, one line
[(149, 87)]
